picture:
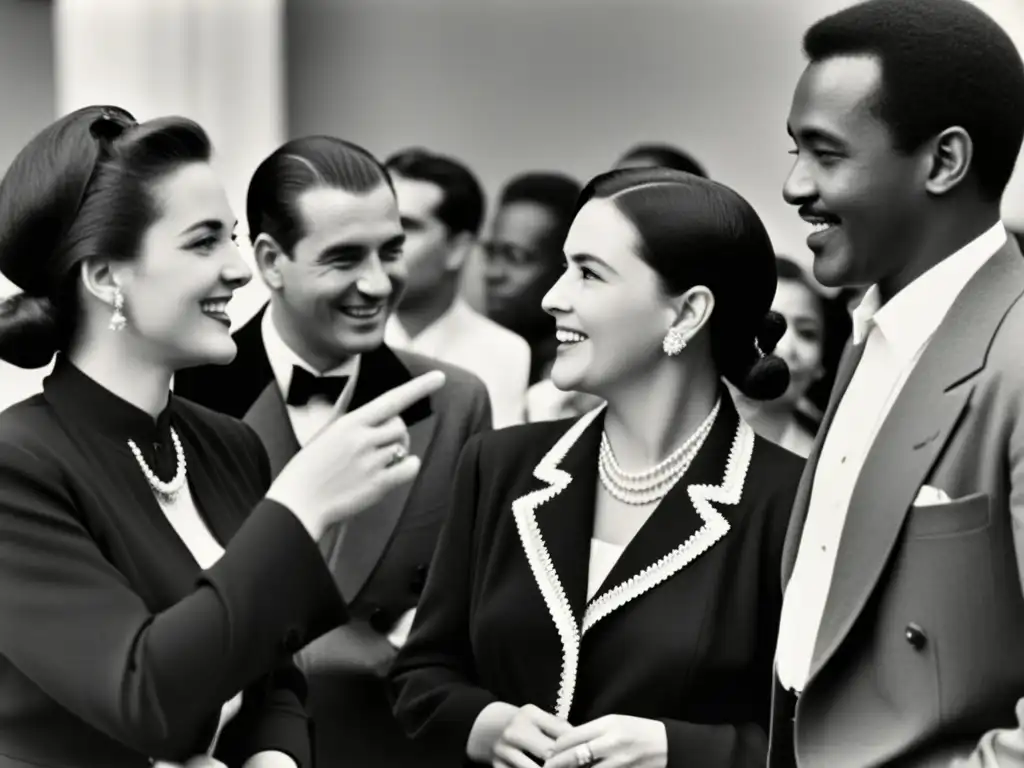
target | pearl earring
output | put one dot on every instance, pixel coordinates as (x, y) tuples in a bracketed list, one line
[(674, 342), (117, 320)]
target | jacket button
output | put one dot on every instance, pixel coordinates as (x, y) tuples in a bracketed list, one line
[(379, 621), (915, 636), (419, 580)]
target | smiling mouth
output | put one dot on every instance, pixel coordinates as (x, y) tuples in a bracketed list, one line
[(216, 309), (566, 337), (362, 312), (822, 227)]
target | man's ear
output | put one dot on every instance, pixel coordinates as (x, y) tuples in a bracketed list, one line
[(459, 250), (949, 160), (268, 255)]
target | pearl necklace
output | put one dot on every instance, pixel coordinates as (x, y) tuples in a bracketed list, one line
[(651, 485), (165, 492)]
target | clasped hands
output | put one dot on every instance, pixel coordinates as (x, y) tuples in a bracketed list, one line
[(534, 737)]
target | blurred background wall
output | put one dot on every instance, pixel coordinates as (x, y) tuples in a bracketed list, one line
[(506, 85)]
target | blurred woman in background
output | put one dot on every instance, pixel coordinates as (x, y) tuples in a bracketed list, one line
[(790, 420)]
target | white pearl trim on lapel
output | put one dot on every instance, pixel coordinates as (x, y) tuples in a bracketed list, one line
[(714, 528), (544, 573)]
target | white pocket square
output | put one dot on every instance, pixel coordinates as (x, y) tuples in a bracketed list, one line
[(929, 496)]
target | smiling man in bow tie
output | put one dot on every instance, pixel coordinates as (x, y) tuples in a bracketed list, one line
[(327, 236)]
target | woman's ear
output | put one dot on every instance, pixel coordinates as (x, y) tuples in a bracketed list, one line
[(691, 310), (103, 279)]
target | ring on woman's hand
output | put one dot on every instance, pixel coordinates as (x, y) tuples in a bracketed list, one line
[(584, 756), (397, 454)]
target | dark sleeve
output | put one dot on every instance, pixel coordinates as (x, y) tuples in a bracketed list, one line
[(273, 717), (151, 681), (433, 682), (273, 714), (745, 745), (483, 418)]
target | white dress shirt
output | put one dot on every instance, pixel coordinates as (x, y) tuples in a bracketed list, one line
[(896, 334), (307, 420), (467, 339)]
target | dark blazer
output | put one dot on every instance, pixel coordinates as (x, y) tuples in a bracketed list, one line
[(114, 647), (380, 561), (682, 630), (919, 651)]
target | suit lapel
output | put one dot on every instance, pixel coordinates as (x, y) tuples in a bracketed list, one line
[(268, 417), (910, 440), (354, 549), (688, 521), (556, 521), (358, 547), (847, 366), (556, 537)]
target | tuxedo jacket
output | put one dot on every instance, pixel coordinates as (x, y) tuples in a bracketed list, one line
[(380, 559), (114, 646), (920, 647), (682, 630)]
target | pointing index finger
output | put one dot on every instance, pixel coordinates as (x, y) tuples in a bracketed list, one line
[(394, 401)]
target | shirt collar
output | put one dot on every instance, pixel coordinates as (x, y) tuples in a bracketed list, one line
[(283, 358), (910, 317)]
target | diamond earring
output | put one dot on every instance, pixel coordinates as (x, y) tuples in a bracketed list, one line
[(117, 320), (674, 342)]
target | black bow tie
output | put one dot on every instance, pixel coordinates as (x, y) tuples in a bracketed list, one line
[(305, 386)]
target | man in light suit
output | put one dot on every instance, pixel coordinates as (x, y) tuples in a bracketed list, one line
[(328, 240), (902, 631)]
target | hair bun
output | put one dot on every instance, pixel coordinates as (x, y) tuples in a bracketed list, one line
[(772, 328), (29, 331), (767, 379)]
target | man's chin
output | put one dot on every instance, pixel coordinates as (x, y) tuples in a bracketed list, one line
[(358, 342), (833, 269)]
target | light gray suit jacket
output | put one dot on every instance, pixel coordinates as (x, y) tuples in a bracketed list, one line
[(920, 657)]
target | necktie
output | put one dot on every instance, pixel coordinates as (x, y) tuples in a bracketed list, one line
[(305, 386)]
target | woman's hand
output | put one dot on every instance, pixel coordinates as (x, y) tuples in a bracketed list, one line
[(614, 741), (355, 461), (528, 738)]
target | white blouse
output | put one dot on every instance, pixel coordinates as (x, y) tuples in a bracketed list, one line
[(603, 557), (183, 516)]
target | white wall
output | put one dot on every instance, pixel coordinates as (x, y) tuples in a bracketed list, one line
[(568, 84), (27, 96)]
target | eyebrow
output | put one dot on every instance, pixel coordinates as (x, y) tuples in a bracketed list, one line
[(815, 134), (213, 224), (587, 258), (349, 248)]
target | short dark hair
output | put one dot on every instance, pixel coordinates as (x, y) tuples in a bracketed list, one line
[(695, 231), (944, 63), (556, 192), (80, 188), (271, 204), (462, 203), (665, 156)]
